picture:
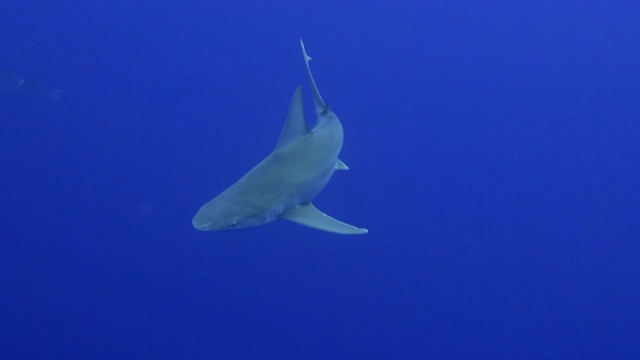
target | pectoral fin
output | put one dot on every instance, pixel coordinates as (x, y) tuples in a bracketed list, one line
[(309, 215)]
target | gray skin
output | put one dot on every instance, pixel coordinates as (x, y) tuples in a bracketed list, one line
[(283, 184)]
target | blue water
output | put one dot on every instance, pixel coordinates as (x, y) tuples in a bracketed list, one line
[(494, 150)]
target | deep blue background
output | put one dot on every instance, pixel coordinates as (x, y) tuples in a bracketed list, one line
[(494, 151)]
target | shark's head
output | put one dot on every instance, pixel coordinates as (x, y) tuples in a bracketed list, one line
[(218, 215), (203, 222)]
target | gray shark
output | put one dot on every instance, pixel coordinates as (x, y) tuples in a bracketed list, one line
[(11, 83), (282, 185)]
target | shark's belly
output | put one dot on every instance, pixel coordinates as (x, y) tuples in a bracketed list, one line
[(282, 183), (290, 176)]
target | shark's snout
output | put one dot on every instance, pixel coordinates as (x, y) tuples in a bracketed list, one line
[(199, 223)]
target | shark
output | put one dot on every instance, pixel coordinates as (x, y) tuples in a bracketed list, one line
[(11, 83), (282, 185)]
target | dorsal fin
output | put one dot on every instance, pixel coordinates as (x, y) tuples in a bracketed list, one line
[(296, 124)]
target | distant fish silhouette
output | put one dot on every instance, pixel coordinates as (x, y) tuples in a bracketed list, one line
[(11, 83), (283, 184)]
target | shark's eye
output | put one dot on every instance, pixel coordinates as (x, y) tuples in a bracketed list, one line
[(233, 223)]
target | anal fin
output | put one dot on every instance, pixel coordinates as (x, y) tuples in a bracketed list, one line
[(341, 165), (309, 215)]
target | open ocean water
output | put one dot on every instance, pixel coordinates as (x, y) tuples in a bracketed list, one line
[(494, 150)]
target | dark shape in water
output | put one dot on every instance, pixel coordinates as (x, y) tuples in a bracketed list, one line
[(11, 83)]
